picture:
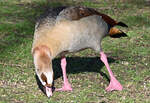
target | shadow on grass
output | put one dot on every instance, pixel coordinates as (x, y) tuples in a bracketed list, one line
[(77, 65)]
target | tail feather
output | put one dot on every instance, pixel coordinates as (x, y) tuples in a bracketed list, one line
[(116, 33), (122, 24)]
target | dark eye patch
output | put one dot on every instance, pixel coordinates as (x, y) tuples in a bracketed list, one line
[(43, 77)]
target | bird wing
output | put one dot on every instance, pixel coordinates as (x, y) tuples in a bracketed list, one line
[(76, 13)]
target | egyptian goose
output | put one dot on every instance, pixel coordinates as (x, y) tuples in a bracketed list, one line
[(70, 29)]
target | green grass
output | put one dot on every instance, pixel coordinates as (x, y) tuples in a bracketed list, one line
[(129, 57)]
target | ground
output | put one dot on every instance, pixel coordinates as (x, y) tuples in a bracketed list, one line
[(129, 57)]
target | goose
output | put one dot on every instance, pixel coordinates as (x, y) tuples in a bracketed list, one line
[(65, 30)]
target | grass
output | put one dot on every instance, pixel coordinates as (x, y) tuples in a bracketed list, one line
[(128, 57)]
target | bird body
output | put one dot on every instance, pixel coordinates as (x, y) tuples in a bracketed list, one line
[(72, 36), (66, 30)]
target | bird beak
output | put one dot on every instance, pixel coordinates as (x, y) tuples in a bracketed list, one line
[(48, 87), (48, 91)]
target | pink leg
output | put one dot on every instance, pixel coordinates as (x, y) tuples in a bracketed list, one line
[(114, 84), (66, 86)]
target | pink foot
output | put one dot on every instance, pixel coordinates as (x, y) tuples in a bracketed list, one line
[(66, 87), (114, 85)]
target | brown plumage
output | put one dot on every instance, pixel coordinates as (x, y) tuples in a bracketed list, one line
[(77, 13), (116, 33)]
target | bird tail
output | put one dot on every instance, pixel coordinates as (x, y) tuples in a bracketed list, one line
[(116, 33), (122, 24)]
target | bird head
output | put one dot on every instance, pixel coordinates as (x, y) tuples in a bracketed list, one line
[(43, 68)]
